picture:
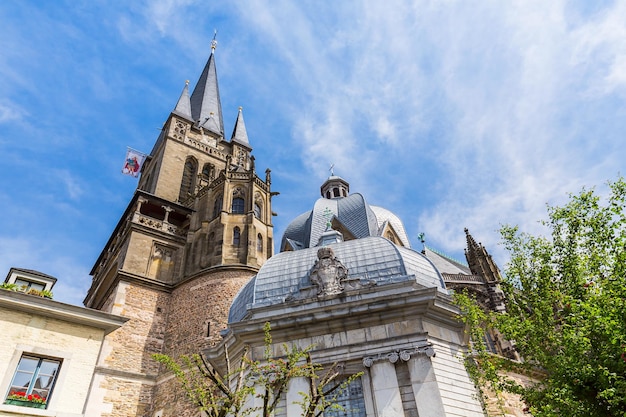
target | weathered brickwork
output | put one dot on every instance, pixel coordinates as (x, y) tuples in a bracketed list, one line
[(198, 311), (129, 350), (128, 398), (133, 344)]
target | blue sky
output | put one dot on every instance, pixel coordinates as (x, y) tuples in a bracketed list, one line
[(452, 114)]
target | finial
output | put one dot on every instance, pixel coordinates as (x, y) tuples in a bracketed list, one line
[(186, 82), (214, 42), (331, 169), (240, 109), (328, 214), (422, 237)]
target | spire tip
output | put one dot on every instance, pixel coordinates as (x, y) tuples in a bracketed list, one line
[(214, 42)]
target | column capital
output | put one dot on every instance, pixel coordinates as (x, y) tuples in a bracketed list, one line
[(424, 348)]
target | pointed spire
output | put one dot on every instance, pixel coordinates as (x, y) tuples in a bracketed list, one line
[(240, 135), (479, 260), (205, 98), (183, 107)]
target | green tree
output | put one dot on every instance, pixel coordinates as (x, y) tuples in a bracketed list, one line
[(225, 394), (566, 310)]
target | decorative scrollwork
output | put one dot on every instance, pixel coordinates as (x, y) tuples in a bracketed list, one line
[(424, 348)]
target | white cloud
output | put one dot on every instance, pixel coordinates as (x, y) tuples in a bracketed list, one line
[(484, 93), (10, 112)]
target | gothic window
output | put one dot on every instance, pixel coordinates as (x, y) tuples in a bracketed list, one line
[(188, 183), (34, 376), (238, 205), (259, 243), (257, 211), (217, 207), (236, 236), (351, 399)]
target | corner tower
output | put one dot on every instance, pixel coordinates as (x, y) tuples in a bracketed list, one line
[(197, 228)]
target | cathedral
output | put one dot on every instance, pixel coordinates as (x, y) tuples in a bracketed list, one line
[(190, 268)]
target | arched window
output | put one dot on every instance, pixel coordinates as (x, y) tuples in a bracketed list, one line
[(238, 205), (217, 207), (259, 243), (236, 236), (327, 194), (257, 211), (336, 192), (188, 182)]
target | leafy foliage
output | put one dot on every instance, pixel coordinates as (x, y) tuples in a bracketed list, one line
[(222, 395), (566, 310)]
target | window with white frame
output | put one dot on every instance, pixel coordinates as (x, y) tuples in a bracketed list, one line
[(26, 285), (34, 379)]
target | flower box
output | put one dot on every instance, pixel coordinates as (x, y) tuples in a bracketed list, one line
[(23, 403)]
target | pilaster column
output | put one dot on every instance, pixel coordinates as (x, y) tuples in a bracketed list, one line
[(387, 399), (294, 399), (425, 386)]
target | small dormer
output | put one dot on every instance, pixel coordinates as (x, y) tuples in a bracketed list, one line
[(27, 279), (335, 187)]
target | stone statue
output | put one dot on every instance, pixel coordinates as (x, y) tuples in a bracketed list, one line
[(328, 273)]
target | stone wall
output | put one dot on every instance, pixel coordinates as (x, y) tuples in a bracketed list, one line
[(198, 312), (126, 371)]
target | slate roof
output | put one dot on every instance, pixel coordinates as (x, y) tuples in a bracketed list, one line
[(206, 106), (445, 264), (369, 259), (183, 106), (240, 134), (383, 215), (361, 219)]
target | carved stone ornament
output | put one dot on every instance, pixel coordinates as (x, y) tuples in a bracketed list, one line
[(404, 354), (328, 273)]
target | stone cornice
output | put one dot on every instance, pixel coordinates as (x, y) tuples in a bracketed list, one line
[(36, 305)]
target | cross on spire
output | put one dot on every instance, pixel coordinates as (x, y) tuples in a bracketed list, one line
[(214, 41), (331, 169)]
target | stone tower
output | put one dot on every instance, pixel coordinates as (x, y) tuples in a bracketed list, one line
[(198, 227)]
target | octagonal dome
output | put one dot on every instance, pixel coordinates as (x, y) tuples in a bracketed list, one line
[(353, 213)]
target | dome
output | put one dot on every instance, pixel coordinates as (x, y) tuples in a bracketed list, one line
[(372, 260), (352, 212)]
